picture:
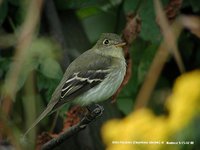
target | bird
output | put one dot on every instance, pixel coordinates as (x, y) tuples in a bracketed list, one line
[(92, 77)]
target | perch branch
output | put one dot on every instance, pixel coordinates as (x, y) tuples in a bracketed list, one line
[(96, 112)]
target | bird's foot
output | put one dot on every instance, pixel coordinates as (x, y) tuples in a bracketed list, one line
[(95, 111)]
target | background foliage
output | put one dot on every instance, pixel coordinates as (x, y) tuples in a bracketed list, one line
[(64, 30)]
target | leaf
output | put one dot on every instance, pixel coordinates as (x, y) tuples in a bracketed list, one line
[(146, 61), (125, 105), (77, 4), (51, 69), (149, 28), (87, 12), (52, 84), (104, 22), (142, 55), (130, 5), (137, 52), (46, 85), (40, 53), (27, 68), (4, 64), (42, 48), (101, 15), (129, 92), (42, 81)]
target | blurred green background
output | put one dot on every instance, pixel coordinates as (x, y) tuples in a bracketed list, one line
[(65, 29)]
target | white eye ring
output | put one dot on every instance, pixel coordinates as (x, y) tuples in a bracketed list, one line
[(106, 42)]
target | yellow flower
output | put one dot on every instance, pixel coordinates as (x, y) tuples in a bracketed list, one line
[(142, 128), (129, 133), (185, 101)]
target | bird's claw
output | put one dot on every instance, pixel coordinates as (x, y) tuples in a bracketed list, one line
[(95, 110)]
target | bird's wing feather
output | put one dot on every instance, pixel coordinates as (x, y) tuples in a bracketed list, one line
[(79, 83)]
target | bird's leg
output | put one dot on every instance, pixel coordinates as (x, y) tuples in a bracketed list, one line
[(95, 109)]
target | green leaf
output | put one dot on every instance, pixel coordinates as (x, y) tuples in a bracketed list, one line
[(130, 5), (51, 69), (104, 22), (40, 53), (27, 68), (149, 27), (41, 49), (46, 85), (77, 4), (4, 64), (42, 81), (146, 61), (125, 105), (130, 90), (142, 55), (103, 16), (88, 11), (52, 84)]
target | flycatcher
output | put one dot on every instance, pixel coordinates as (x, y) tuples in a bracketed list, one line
[(92, 77)]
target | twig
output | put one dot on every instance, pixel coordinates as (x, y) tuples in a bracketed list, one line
[(168, 46), (192, 23), (168, 35), (155, 69), (29, 103), (24, 40), (74, 129)]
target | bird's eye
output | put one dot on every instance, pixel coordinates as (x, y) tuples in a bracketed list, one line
[(106, 42)]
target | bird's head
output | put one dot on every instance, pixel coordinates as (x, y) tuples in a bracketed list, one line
[(110, 44)]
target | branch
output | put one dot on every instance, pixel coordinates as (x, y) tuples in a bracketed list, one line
[(96, 112), (23, 41), (171, 32)]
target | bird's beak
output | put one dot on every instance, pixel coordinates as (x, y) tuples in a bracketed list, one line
[(120, 44)]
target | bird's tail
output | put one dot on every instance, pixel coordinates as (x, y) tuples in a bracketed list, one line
[(44, 113)]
